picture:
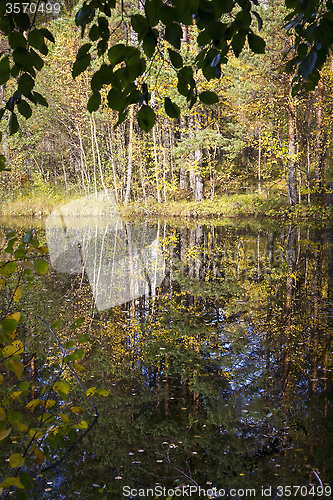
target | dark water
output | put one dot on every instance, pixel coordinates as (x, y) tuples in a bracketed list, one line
[(220, 379)]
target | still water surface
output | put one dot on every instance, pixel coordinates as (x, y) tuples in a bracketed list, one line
[(220, 378)]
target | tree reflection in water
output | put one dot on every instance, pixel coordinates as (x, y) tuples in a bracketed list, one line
[(223, 377)]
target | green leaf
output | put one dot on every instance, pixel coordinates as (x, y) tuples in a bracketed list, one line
[(41, 266), (4, 70), (140, 25), (171, 108), (94, 34), (40, 99), (47, 34), (146, 118), (37, 61), (8, 325), (83, 50), (117, 53), (25, 84), (81, 65), (84, 17), (295, 89), (22, 20), (14, 416), (216, 30), (72, 434), (149, 43), (16, 39), (173, 34), (94, 102), (238, 43), (7, 269), (26, 480), (13, 125), (35, 38), (308, 64), (175, 58), (115, 100), (256, 43), (77, 323), (208, 97), (24, 108)]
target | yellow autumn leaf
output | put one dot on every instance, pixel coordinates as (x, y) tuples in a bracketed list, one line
[(16, 315), (32, 404), (4, 433), (18, 368), (91, 391), (36, 434), (16, 460), (64, 418), (15, 395), (27, 265), (78, 367), (77, 409), (17, 294), (82, 425), (15, 347), (20, 427), (39, 455), (11, 481), (2, 282), (1, 378), (48, 404), (2, 414)]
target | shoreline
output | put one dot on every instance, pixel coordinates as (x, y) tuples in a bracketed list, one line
[(231, 206)]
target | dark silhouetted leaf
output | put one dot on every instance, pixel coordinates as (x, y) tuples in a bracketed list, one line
[(4, 70), (146, 118), (171, 108), (40, 99), (25, 84), (256, 43), (24, 109), (208, 97), (81, 65), (175, 58), (173, 34), (94, 102), (13, 125)]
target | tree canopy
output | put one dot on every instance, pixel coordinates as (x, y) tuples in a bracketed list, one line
[(124, 69)]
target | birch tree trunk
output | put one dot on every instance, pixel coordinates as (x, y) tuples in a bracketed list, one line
[(130, 154), (292, 175), (319, 140)]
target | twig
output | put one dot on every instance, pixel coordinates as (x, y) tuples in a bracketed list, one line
[(70, 366), (318, 478), (96, 414)]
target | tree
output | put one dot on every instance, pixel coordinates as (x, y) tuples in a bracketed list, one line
[(217, 33)]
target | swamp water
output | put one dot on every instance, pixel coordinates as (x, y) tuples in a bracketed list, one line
[(220, 375)]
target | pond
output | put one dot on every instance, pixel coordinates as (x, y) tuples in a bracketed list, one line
[(219, 372)]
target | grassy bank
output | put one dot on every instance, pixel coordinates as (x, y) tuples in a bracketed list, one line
[(41, 204)]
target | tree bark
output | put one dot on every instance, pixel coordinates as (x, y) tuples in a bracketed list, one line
[(292, 175), (130, 154), (319, 139)]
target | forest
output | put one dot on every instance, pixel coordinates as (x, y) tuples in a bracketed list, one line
[(248, 134), (166, 284)]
